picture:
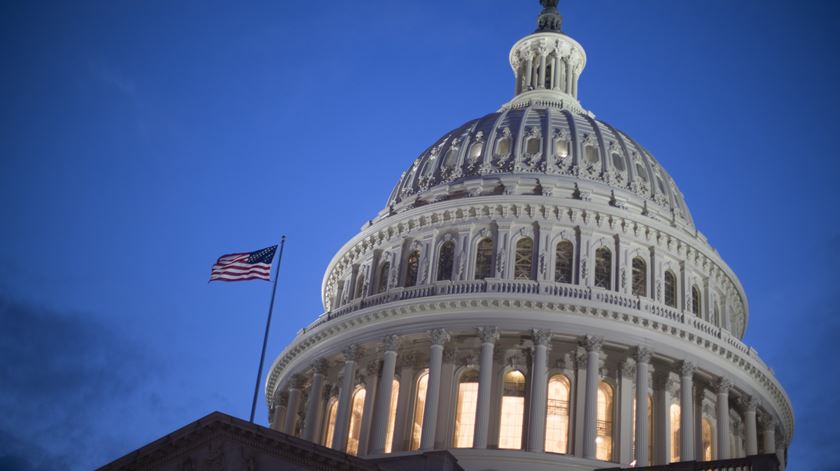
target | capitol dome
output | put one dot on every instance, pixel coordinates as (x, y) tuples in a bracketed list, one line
[(534, 295)]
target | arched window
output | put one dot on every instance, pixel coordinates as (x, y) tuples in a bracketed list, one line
[(382, 284), (513, 411), (484, 259), (564, 261), (696, 301), (706, 431), (522, 264), (603, 268), (465, 409), (411, 267), (355, 430), (675, 432), (445, 260), (670, 289), (650, 425), (360, 286), (329, 430), (392, 415), (419, 406), (604, 424), (639, 277), (557, 415)]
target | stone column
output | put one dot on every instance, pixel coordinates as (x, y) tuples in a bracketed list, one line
[(751, 442), (541, 82), (408, 389), (529, 68), (313, 402), (539, 390), (768, 435), (699, 394), (642, 357), (686, 411), (382, 412), (626, 419), (427, 439), (280, 412), (488, 336), (590, 410), (780, 454), (371, 379), (568, 82), (722, 389), (579, 396), (345, 392), (289, 423)]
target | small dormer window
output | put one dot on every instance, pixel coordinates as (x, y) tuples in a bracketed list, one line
[(503, 146), (451, 157), (640, 172), (661, 184), (561, 147), (590, 155), (475, 151), (532, 145), (618, 161)]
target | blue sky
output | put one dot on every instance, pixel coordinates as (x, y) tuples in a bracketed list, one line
[(141, 140)]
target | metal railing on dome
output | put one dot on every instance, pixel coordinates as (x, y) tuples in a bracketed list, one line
[(768, 462)]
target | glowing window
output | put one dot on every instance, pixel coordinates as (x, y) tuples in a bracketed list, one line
[(419, 406), (649, 424), (707, 439), (484, 259), (513, 411), (561, 147), (383, 277), (639, 277), (590, 155), (603, 268), (557, 415), (618, 161), (446, 260), (392, 415), (604, 423), (332, 410), (696, 300), (670, 289), (675, 432), (412, 264), (522, 266), (475, 151), (563, 263), (355, 429), (465, 410)]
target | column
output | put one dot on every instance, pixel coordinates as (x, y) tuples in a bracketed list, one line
[(295, 384), (722, 389), (780, 454), (750, 426), (699, 394), (686, 411), (626, 419), (383, 404), (342, 416), (313, 403), (488, 336), (664, 387), (446, 408), (768, 436), (580, 403), (529, 68), (539, 390), (568, 84), (371, 379), (541, 80), (427, 439), (590, 410), (642, 357), (554, 71), (404, 401), (280, 414)]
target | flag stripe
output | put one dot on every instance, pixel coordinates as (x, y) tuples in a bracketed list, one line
[(244, 266)]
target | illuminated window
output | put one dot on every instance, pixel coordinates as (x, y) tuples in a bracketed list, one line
[(603, 268), (513, 411), (696, 300), (445, 260), (557, 415), (670, 289), (707, 439), (649, 424), (561, 147), (639, 277), (675, 432), (360, 286), (392, 415), (383, 277), (419, 406), (411, 266), (475, 151), (332, 410), (522, 265), (355, 429), (465, 410), (484, 259), (564, 259), (604, 424)]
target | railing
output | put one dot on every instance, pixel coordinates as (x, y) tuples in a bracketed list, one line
[(768, 462)]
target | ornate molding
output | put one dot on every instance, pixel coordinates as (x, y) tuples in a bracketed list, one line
[(642, 354), (488, 334), (592, 344), (439, 336), (391, 343), (686, 368), (722, 386), (351, 353), (541, 337)]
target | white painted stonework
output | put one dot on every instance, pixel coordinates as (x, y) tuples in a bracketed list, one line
[(540, 169)]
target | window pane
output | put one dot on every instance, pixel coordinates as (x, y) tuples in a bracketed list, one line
[(383, 277), (695, 300), (392, 415), (670, 289), (590, 155), (412, 265), (356, 413), (465, 410), (603, 268), (419, 406), (513, 411), (532, 146), (707, 440), (561, 147), (360, 286), (524, 256), (445, 261), (639, 277), (675, 432), (563, 263), (618, 161), (603, 440), (503, 147), (475, 151), (484, 259), (331, 414), (557, 415)]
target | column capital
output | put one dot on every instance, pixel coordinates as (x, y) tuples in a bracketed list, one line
[(439, 336), (283, 399), (488, 334), (722, 386), (748, 403), (296, 381), (686, 368), (391, 343), (541, 337), (592, 343), (642, 354), (766, 421), (351, 352), (320, 366)]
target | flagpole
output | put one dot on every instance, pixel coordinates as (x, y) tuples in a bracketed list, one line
[(267, 325)]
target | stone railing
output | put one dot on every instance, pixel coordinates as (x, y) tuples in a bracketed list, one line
[(768, 462)]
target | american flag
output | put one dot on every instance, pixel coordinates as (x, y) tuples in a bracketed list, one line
[(244, 266)]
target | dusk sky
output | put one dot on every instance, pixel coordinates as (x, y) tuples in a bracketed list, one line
[(140, 140)]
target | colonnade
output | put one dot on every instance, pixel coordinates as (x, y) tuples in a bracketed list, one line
[(380, 422)]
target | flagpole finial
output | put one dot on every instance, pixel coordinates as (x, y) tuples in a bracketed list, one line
[(549, 19)]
